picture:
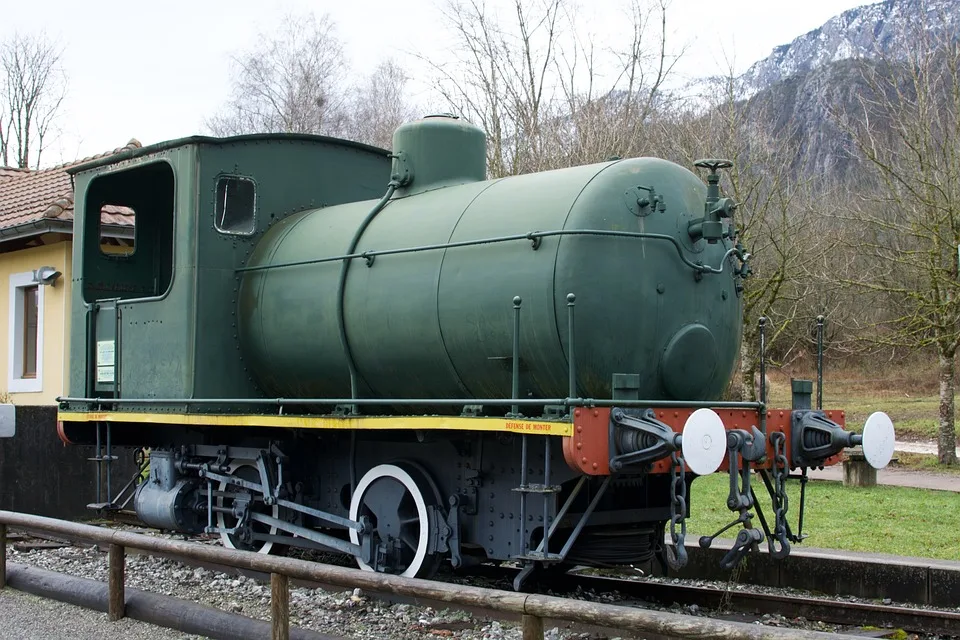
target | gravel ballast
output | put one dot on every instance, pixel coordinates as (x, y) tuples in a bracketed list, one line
[(349, 613)]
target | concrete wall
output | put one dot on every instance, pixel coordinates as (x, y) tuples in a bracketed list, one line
[(55, 323), (925, 581), (40, 475)]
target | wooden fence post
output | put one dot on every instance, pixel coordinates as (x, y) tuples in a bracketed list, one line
[(532, 627), (279, 607), (116, 603), (3, 555)]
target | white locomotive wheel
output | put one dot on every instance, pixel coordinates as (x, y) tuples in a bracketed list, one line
[(704, 442), (879, 440), (247, 470), (395, 498)]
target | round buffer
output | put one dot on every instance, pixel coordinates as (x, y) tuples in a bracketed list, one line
[(704, 442), (878, 440)]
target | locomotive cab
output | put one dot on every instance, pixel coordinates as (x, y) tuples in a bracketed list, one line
[(160, 231)]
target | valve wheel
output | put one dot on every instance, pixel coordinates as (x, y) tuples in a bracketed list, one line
[(713, 164), (247, 470), (396, 497)]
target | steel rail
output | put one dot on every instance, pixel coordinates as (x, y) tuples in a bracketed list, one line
[(927, 621), (924, 621), (532, 607)]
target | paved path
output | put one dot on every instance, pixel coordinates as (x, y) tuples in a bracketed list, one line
[(898, 477), (903, 477), (27, 617), (919, 447)]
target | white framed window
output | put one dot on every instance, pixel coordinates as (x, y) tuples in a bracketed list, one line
[(236, 205), (25, 328)]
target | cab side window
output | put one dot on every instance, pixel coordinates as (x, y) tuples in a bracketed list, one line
[(235, 210)]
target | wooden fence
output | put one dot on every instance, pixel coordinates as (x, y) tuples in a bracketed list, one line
[(532, 608)]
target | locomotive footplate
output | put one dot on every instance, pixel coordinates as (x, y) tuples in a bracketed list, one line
[(76, 423)]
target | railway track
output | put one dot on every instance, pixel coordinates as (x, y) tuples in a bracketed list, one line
[(740, 604), (755, 604)]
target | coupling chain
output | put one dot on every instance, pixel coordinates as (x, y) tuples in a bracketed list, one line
[(678, 512), (780, 470)]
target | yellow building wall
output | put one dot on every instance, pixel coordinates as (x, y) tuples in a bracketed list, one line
[(56, 319)]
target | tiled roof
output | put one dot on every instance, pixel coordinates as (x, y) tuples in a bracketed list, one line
[(47, 194)]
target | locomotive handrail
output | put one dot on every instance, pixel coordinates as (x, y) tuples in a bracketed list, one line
[(532, 607), (566, 402), (533, 236)]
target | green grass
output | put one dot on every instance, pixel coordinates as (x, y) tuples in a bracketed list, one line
[(881, 519), (912, 405), (913, 418), (922, 462)]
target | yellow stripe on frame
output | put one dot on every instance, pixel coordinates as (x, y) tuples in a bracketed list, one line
[(326, 422)]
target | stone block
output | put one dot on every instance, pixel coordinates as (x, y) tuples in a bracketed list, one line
[(857, 472)]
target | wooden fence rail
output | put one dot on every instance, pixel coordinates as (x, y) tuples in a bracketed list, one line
[(532, 608)]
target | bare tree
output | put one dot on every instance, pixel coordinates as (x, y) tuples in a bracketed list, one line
[(500, 75), (544, 93), (907, 233), (292, 82), (32, 89), (612, 112), (379, 106), (776, 216)]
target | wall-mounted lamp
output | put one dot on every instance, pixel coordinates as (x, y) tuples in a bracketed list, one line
[(46, 276)]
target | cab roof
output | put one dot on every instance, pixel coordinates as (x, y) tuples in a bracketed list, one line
[(129, 153)]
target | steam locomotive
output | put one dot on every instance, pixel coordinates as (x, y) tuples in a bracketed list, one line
[(330, 346)]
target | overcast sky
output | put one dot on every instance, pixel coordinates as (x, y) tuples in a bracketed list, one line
[(155, 70)]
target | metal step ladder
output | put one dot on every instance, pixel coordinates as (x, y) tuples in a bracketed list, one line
[(103, 327), (549, 493), (104, 456)]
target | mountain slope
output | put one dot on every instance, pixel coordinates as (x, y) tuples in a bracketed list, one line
[(884, 28), (796, 93)]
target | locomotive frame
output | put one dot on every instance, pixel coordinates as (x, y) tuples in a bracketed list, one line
[(399, 483)]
